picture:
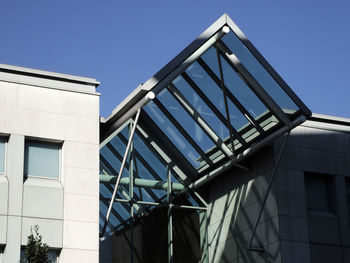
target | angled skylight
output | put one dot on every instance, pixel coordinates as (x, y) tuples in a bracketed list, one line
[(216, 102)]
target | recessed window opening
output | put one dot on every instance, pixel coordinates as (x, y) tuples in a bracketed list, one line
[(42, 159), (319, 192)]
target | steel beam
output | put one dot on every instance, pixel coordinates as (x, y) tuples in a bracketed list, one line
[(199, 120), (233, 60), (246, 153), (138, 182), (121, 170)]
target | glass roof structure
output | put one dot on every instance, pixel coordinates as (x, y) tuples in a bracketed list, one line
[(215, 103)]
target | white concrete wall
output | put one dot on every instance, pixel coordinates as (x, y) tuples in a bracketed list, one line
[(68, 216)]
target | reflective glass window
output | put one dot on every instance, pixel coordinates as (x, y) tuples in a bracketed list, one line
[(174, 135), (205, 112), (147, 165), (215, 94), (187, 122), (41, 159), (318, 191), (241, 91), (259, 72)]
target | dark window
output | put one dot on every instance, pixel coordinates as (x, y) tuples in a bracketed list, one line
[(318, 191), (347, 189)]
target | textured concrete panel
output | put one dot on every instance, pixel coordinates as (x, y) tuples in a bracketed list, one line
[(43, 198), (293, 228), (226, 251), (326, 254), (81, 207), (324, 227), (3, 195), (39, 99), (80, 235), (295, 252), (312, 160), (15, 161), (341, 209), (319, 139), (66, 127), (76, 255), (3, 229), (81, 105), (17, 121), (50, 229), (290, 181), (271, 254), (248, 214), (13, 246), (292, 204), (81, 181), (9, 93), (81, 155)]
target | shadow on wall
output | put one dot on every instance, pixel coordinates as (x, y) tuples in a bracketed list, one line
[(148, 239), (236, 197)]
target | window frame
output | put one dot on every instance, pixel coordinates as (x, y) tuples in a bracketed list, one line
[(44, 141)]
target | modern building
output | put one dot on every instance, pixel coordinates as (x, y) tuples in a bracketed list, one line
[(49, 146), (213, 159)]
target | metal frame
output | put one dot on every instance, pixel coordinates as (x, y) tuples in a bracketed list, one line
[(221, 157)]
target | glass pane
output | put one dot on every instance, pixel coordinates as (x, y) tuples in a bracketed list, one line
[(52, 255), (174, 135), (317, 190), (242, 92), (112, 160), (2, 155), (206, 113), (113, 153), (214, 93), (145, 157), (181, 115), (259, 72), (41, 159)]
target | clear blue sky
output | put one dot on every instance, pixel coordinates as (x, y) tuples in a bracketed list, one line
[(123, 43)]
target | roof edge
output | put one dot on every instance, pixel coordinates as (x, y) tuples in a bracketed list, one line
[(47, 74)]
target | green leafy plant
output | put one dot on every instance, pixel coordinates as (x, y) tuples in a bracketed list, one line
[(36, 251)]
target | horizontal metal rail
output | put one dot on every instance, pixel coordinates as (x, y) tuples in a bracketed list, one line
[(138, 182)]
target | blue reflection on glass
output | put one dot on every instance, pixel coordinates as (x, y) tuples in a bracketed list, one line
[(181, 115), (144, 154), (172, 133), (202, 108), (259, 72), (215, 94), (241, 91)]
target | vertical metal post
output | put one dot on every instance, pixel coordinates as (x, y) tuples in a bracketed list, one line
[(203, 232), (131, 196), (170, 219), (120, 172)]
